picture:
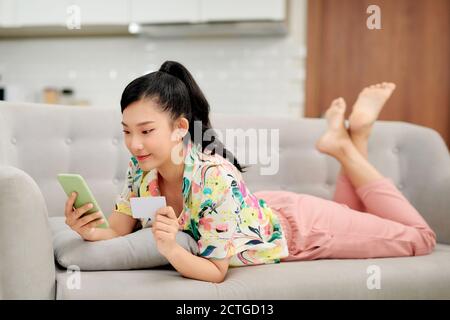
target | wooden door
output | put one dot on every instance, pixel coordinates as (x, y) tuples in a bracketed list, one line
[(411, 49)]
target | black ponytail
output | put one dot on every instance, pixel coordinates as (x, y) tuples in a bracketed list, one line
[(175, 90)]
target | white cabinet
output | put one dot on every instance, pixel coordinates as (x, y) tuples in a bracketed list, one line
[(40, 13), (28, 13), (7, 13), (243, 10), (103, 12), (57, 13), (200, 11), (165, 11)]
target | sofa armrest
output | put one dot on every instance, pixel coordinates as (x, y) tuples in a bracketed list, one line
[(27, 268), (425, 167), (440, 205)]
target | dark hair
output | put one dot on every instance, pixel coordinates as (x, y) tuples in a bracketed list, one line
[(174, 89)]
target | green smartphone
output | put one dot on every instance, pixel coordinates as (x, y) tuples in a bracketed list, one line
[(75, 182)]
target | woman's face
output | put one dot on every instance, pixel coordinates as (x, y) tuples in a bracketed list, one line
[(148, 131)]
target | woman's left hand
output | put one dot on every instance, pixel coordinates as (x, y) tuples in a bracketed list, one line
[(165, 228)]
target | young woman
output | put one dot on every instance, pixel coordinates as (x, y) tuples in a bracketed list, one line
[(207, 198)]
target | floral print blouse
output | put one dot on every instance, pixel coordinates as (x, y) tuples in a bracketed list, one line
[(219, 211)]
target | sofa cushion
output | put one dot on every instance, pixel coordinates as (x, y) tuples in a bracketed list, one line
[(137, 250), (419, 277)]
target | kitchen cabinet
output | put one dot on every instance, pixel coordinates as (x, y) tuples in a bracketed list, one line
[(242, 10), (49, 13), (39, 13), (7, 13), (103, 12), (47, 17), (201, 11), (165, 11)]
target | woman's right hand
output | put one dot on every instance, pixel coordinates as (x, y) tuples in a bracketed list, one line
[(84, 226)]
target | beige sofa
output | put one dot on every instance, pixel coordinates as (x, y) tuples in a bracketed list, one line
[(39, 141)]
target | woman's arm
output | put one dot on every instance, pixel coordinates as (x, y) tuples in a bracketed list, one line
[(165, 228), (119, 225), (194, 267)]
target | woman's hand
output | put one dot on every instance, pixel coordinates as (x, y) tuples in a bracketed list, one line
[(165, 228), (84, 226)]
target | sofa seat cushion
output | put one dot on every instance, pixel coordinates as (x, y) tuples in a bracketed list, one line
[(420, 277)]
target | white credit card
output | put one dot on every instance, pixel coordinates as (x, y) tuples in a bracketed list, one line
[(146, 207)]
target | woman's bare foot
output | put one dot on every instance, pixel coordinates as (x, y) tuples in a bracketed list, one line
[(367, 108), (336, 138)]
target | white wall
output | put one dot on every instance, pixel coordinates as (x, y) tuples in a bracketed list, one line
[(248, 75)]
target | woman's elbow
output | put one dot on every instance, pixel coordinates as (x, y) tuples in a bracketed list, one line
[(220, 279), (222, 268)]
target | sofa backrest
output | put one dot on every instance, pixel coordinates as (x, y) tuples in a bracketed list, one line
[(44, 140)]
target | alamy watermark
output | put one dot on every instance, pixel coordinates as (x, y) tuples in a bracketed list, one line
[(374, 279), (374, 20), (73, 281), (251, 146), (73, 20)]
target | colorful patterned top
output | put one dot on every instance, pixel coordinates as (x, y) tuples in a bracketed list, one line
[(219, 211)]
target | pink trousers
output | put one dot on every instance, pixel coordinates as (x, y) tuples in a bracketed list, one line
[(372, 221)]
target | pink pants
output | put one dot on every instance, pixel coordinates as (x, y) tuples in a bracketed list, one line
[(372, 221)]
